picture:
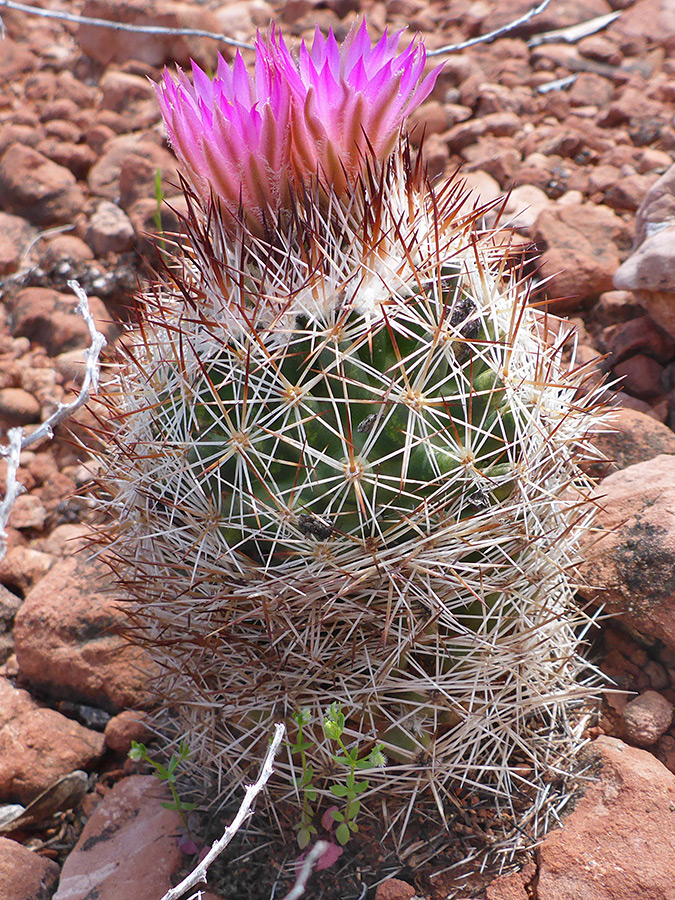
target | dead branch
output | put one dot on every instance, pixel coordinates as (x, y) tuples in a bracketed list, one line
[(118, 26), (199, 873), (491, 35), (18, 441)]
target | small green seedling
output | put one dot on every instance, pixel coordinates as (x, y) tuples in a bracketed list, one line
[(167, 774), (301, 746), (333, 726), (159, 197), (157, 215)]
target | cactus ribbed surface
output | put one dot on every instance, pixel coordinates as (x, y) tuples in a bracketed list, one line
[(340, 468)]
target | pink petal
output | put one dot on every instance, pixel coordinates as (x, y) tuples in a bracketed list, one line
[(329, 857)]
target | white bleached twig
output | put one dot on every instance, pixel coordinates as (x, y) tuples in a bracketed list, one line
[(310, 861), (491, 35), (574, 33), (200, 872), (120, 26), (18, 441)]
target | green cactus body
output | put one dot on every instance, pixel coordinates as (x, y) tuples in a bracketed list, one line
[(350, 481)]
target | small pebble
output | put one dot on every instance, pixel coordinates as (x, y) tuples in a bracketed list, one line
[(646, 718)]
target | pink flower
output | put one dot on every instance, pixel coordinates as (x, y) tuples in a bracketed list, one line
[(232, 133), (255, 139), (349, 98)]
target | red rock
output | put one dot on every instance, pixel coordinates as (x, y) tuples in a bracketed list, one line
[(66, 641), (51, 319), (651, 159), (25, 875), (619, 841), (581, 251), (629, 563), (649, 272), (18, 407), (63, 130), (136, 152), (566, 12), (15, 237), (124, 728), (598, 47), (28, 512), (640, 376), (602, 178), (122, 90), (591, 90), (65, 540), (239, 20), (436, 155), (38, 745), (37, 188), (77, 158), (640, 334), (26, 135), (646, 718), (98, 136), (499, 98), (513, 886), (645, 22), (106, 46), (16, 59), (615, 307), (56, 495), (9, 606), (658, 677), (110, 230), (665, 751), (22, 567), (429, 118), (496, 156), (523, 206), (394, 889), (128, 848), (633, 437), (628, 193)]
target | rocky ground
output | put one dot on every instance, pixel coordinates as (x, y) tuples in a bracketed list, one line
[(581, 130)]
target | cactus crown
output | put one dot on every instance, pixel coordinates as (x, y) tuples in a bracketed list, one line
[(340, 458)]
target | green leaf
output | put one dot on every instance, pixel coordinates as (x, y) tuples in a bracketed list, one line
[(310, 793), (331, 729), (339, 790), (337, 815), (360, 787), (342, 834), (161, 770), (304, 837), (354, 808), (353, 827)]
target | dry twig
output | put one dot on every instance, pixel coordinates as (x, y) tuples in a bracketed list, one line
[(196, 32), (19, 441), (310, 861), (118, 26), (491, 35), (200, 872)]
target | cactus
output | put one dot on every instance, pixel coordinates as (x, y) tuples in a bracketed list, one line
[(342, 465)]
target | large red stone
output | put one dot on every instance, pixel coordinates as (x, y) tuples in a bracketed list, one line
[(67, 643)]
